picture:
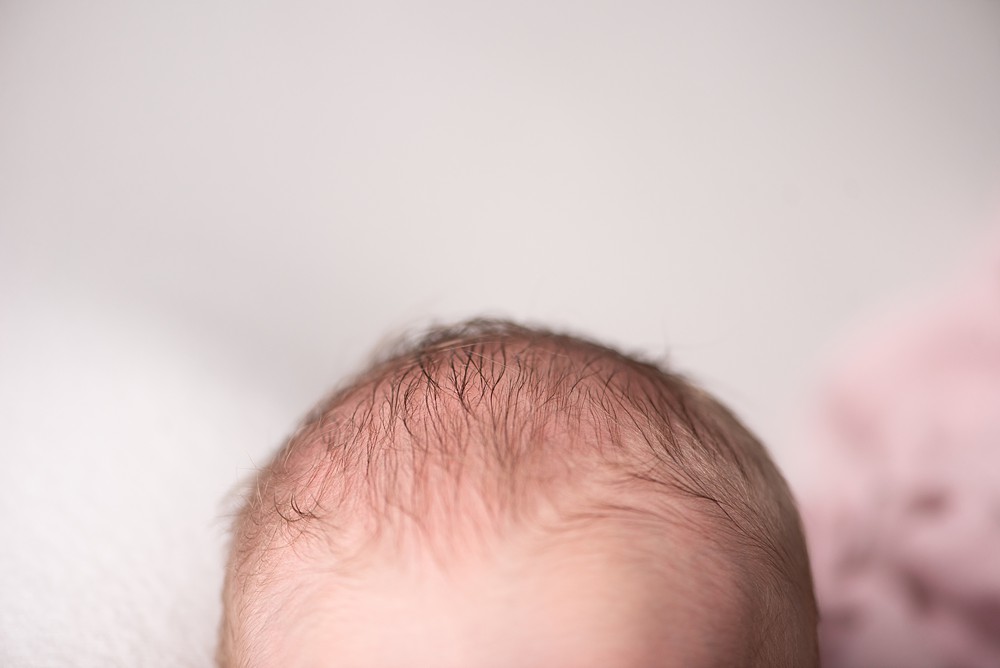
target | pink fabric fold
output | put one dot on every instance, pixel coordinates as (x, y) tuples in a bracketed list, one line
[(902, 500)]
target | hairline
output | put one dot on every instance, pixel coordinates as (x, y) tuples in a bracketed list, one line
[(420, 360)]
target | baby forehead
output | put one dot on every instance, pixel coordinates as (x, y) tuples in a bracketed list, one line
[(579, 602)]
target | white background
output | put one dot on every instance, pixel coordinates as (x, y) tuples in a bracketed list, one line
[(211, 211)]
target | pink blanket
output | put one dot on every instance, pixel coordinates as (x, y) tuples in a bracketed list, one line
[(902, 504)]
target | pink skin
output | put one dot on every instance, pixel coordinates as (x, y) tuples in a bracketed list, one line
[(582, 602)]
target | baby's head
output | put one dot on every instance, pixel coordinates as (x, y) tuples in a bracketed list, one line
[(503, 496)]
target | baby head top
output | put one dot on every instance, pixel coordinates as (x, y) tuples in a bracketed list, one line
[(496, 495)]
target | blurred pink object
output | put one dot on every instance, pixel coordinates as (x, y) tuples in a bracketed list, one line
[(902, 501)]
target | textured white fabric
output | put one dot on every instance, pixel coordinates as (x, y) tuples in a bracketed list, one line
[(121, 439)]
